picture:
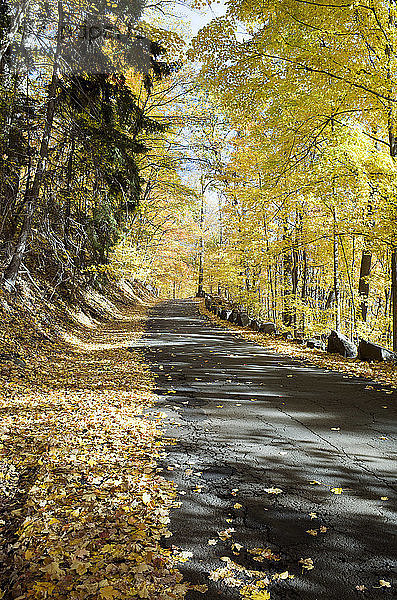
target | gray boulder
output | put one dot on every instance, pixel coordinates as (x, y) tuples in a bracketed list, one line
[(225, 313), (267, 328), (315, 344), (208, 302), (234, 315), (255, 325), (372, 352), (242, 319), (340, 344)]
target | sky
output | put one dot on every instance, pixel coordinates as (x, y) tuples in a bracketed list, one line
[(193, 20), (199, 18)]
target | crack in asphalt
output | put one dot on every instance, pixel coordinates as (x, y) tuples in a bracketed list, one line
[(340, 451)]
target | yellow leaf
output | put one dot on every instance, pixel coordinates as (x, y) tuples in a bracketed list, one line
[(384, 497), (336, 490), (260, 595), (200, 588), (108, 592), (384, 583), (307, 563), (283, 575), (146, 498), (312, 531), (53, 570), (80, 567), (273, 490), (237, 505)]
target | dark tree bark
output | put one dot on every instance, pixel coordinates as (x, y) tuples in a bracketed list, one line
[(363, 285), (394, 295)]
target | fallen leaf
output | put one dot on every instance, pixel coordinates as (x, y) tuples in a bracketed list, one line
[(284, 575), (384, 497), (336, 490), (200, 588), (108, 592), (260, 595), (273, 490), (146, 498), (237, 547), (307, 563), (237, 505), (384, 583), (312, 531), (226, 534)]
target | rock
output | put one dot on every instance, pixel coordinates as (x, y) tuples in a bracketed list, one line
[(267, 328), (255, 325), (230, 317), (242, 319), (234, 315), (315, 344), (340, 344), (372, 352), (225, 313)]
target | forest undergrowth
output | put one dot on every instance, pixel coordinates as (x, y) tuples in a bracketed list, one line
[(82, 503)]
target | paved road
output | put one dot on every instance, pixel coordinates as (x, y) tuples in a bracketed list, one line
[(248, 419)]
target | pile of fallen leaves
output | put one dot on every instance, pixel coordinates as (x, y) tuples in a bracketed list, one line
[(82, 503), (384, 373)]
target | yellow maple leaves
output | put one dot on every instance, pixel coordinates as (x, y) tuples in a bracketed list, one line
[(307, 563), (273, 490)]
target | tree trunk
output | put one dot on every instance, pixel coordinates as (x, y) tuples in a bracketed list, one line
[(336, 277), (394, 295), (363, 285)]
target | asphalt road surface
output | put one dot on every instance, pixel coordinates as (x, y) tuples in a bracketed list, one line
[(247, 420)]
